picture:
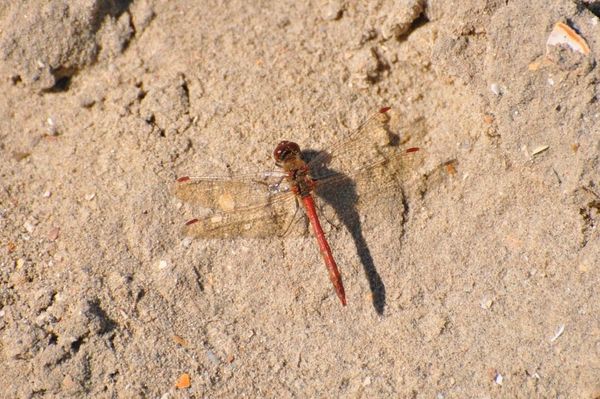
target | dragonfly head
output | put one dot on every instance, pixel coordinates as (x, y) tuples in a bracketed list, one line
[(286, 151)]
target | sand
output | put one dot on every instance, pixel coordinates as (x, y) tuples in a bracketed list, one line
[(475, 276)]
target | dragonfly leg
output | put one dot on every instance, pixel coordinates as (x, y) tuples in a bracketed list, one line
[(293, 219), (327, 218)]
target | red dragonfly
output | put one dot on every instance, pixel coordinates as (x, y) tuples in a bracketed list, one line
[(266, 204)]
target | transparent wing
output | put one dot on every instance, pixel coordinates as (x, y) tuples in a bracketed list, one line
[(251, 206), (357, 163), (267, 220), (362, 149), (229, 194)]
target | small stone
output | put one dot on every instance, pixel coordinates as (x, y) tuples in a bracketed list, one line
[(180, 341), (183, 382), (30, 227), (52, 129), (366, 66), (498, 380), (214, 359), (283, 22), (90, 196), (486, 303), (46, 194), (400, 19), (495, 88), (163, 264), (68, 383), (333, 10), (86, 101), (53, 233)]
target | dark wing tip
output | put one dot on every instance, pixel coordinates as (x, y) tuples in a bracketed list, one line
[(384, 110), (191, 222), (183, 179)]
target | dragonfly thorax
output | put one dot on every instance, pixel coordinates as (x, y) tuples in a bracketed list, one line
[(301, 182)]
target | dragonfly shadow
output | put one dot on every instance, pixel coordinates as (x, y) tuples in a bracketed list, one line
[(342, 196)]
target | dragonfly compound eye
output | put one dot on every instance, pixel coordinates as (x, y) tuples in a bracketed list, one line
[(285, 150)]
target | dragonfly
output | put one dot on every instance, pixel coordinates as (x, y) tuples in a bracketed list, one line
[(262, 205)]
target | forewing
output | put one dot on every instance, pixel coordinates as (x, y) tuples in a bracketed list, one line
[(369, 164), (362, 149), (229, 194)]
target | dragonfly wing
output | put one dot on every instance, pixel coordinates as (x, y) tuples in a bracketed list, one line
[(251, 206), (366, 164), (230, 194), (267, 220), (364, 148)]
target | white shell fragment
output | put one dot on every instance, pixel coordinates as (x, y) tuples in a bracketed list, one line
[(163, 264), (486, 303), (499, 379), (558, 333), (539, 150), (495, 88), (564, 34)]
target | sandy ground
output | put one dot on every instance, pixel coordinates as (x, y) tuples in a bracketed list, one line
[(476, 277)]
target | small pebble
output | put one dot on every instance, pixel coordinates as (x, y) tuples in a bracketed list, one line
[(163, 264), (29, 227), (212, 357), (498, 380), (486, 303), (495, 89), (46, 194), (90, 196), (86, 101), (52, 130), (53, 233), (283, 22), (333, 10)]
